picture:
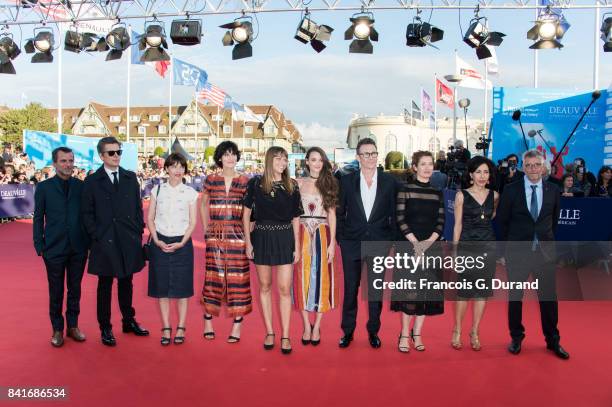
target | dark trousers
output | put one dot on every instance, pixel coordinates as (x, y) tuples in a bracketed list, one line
[(352, 265), (520, 266), (68, 268), (124, 289)]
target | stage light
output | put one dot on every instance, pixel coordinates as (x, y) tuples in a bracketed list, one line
[(419, 34), (548, 30), (240, 32), (186, 32), (43, 42), (362, 28), (8, 52), (153, 42), (606, 32), (478, 36), (118, 40), (309, 31)]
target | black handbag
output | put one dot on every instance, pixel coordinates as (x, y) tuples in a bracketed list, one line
[(146, 248)]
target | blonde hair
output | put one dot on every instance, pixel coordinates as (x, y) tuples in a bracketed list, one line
[(267, 180)]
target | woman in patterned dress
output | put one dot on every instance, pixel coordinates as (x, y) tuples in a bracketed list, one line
[(227, 267), (315, 286)]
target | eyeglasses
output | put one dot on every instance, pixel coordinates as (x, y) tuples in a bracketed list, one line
[(535, 165), (111, 153), (369, 155)]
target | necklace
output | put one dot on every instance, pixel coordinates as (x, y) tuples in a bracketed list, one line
[(313, 177)]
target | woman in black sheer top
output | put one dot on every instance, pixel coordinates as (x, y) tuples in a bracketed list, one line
[(420, 217)]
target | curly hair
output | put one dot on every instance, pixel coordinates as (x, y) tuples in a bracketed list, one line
[(223, 148)]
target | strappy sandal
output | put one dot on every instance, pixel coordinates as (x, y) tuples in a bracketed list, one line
[(403, 349), (209, 335), (421, 347), (235, 339), (165, 341), (271, 345), (474, 341), (179, 340), (456, 340), (285, 351)]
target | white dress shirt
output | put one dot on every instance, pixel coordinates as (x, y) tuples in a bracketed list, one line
[(539, 193), (172, 208), (368, 194), (109, 172)]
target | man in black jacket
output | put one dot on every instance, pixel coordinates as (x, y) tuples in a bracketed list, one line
[(62, 242), (112, 215), (528, 212), (366, 212)]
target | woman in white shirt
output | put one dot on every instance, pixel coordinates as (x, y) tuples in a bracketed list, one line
[(171, 221)]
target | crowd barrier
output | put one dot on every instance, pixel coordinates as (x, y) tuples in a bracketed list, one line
[(581, 219)]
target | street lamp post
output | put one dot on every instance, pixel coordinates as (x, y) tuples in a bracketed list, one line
[(145, 125)]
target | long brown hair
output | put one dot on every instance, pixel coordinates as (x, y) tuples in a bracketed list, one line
[(267, 180), (326, 183)]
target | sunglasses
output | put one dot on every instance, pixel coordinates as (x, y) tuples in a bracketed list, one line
[(111, 153)]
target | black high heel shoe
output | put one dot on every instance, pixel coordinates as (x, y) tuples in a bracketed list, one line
[(179, 340), (318, 341), (285, 351), (403, 349), (231, 338), (420, 348), (269, 346), (209, 335), (165, 341), (307, 341)]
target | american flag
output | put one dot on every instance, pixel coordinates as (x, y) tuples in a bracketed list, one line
[(212, 93)]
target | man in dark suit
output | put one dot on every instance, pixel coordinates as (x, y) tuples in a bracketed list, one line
[(62, 242), (366, 212), (112, 216), (528, 212)]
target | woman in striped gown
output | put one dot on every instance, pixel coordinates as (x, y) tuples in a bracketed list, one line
[(227, 275), (316, 289)]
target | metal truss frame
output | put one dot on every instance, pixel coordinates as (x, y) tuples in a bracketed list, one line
[(35, 12)]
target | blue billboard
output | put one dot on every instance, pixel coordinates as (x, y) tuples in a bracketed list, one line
[(548, 117), (39, 145)]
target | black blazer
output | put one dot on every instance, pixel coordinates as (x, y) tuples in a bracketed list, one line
[(57, 224), (514, 219), (114, 222), (352, 222)]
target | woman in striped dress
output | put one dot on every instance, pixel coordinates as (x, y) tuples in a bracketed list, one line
[(316, 289), (227, 275), (420, 217)]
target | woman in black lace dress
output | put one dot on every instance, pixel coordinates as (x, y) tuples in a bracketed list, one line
[(473, 233), (420, 217)]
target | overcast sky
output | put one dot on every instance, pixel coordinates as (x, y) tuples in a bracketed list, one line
[(321, 92)]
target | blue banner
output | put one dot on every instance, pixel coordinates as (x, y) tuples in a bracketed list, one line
[(16, 200), (548, 117), (188, 75), (39, 145)]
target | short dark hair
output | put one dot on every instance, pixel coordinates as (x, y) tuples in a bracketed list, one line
[(175, 158), (512, 155), (106, 140), (417, 155), (365, 141), (223, 148), (55, 152), (472, 166)]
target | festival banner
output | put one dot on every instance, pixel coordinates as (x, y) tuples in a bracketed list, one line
[(444, 94), (548, 117), (39, 145), (16, 200)]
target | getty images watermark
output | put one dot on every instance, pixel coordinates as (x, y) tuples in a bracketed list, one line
[(547, 270)]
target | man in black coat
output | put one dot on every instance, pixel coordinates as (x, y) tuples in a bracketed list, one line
[(528, 212), (366, 212), (62, 242), (112, 216)]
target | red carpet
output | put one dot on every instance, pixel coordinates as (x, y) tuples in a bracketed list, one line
[(139, 372)]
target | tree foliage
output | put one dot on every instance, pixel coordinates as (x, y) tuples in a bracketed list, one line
[(209, 152), (159, 151), (395, 160), (32, 117)]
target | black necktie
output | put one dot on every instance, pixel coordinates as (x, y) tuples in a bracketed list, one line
[(115, 181)]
